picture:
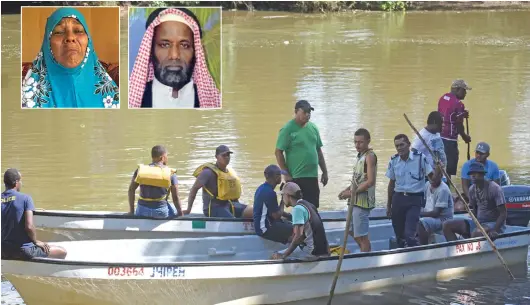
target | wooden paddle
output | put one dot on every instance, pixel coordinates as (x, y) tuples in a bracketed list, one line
[(466, 205), (468, 144), (346, 233)]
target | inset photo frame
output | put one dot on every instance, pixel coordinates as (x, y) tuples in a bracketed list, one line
[(70, 57), (175, 57)]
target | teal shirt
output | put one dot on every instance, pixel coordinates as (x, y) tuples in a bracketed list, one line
[(300, 215), (300, 145)]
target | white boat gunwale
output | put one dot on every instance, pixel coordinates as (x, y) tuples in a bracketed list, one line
[(270, 261), (111, 215)]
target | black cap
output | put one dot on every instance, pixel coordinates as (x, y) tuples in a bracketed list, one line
[(221, 149), (303, 104)]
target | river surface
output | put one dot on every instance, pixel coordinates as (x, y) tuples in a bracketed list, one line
[(361, 69)]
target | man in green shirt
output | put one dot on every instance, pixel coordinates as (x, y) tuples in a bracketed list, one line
[(300, 140)]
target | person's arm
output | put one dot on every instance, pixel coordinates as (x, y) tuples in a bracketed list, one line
[(29, 227), (439, 151), (175, 194), (473, 201), (501, 207), (370, 173), (298, 238), (429, 172), (132, 190), (461, 114), (201, 181), (322, 164), (391, 186), (271, 202), (435, 213), (282, 143), (442, 202)]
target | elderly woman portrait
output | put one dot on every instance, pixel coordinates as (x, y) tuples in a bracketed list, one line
[(67, 72)]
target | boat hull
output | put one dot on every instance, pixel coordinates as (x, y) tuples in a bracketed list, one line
[(262, 282)]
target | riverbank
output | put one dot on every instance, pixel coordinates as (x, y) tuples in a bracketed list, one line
[(294, 6)]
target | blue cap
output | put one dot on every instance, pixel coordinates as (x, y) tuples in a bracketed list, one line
[(476, 167)]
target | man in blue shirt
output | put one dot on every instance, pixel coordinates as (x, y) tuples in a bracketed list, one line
[(407, 171), (267, 213), (19, 237), (482, 152)]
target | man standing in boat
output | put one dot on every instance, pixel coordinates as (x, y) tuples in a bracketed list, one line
[(364, 176), (431, 135), (268, 214), (482, 152), (300, 140), (453, 112), (156, 182), (309, 237), (407, 171), (438, 207), (486, 198), (19, 237), (221, 188)]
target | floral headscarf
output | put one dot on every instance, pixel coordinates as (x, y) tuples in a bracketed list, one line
[(50, 85)]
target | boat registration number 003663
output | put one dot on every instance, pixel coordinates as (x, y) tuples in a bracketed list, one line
[(168, 271), (126, 271)]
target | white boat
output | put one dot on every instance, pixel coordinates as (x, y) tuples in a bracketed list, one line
[(236, 269), (55, 225)]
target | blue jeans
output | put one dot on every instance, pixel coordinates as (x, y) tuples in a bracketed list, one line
[(225, 211), (167, 210)]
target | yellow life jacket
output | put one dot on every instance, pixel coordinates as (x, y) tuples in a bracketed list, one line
[(154, 175), (335, 251), (228, 184)]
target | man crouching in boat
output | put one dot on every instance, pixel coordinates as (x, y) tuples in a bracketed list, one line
[(268, 214), (438, 207), (156, 181), (221, 188), (486, 199), (309, 240), (19, 237)]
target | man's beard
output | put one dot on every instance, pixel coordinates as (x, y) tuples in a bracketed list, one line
[(174, 79)]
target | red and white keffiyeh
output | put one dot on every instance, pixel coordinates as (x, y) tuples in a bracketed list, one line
[(143, 70)]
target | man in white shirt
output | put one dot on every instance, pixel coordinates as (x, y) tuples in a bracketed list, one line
[(431, 135), (438, 207), (170, 70)]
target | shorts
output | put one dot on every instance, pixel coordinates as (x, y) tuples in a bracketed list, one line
[(27, 252), (432, 225), (279, 231), (159, 212), (486, 225), (360, 221), (452, 153), (225, 211)]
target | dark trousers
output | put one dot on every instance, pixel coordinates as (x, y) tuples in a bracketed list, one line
[(310, 189), (405, 218)]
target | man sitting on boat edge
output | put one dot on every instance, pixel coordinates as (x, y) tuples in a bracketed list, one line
[(309, 240), (156, 181), (268, 214), (482, 152), (221, 188), (486, 198), (438, 207), (19, 237)]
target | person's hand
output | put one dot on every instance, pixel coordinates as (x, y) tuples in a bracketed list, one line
[(324, 179), (287, 177), (186, 212), (465, 114), (131, 213), (276, 255), (493, 234), (44, 246), (466, 138), (389, 211), (345, 194)]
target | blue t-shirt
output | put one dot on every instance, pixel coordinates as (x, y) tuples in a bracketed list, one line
[(492, 170), (14, 204), (265, 203)]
